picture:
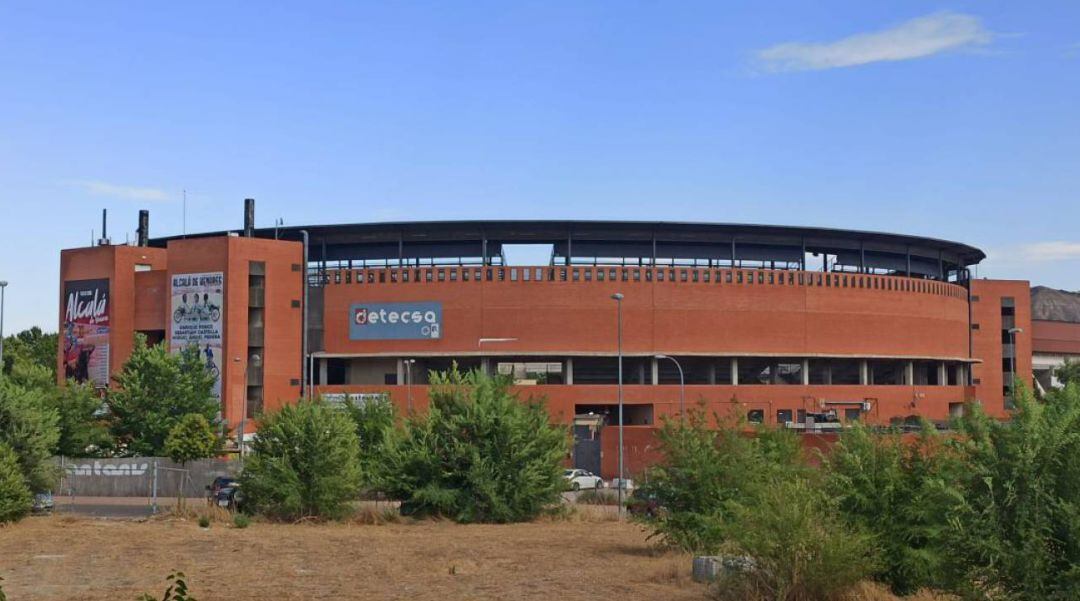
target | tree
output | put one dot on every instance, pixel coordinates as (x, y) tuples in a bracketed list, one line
[(191, 439), (304, 463), (33, 347), (1068, 372), (155, 389), (84, 429), (374, 421), (29, 427), (478, 454), (15, 498)]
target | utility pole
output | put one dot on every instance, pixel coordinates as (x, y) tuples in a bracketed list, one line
[(618, 298)]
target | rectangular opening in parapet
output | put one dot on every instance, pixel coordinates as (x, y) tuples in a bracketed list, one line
[(527, 254)]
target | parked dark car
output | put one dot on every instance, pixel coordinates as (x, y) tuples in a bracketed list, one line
[(224, 491)]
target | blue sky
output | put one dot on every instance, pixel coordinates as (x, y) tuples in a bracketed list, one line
[(956, 120)]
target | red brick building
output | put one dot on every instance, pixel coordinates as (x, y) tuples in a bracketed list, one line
[(784, 325)]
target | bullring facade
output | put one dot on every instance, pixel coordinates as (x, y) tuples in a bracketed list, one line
[(800, 327)]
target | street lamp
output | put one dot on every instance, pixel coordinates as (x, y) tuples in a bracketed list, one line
[(3, 284), (682, 385), (618, 298), (1012, 361), (408, 382)]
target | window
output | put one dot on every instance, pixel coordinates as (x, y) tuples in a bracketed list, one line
[(783, 416), (755, 416)]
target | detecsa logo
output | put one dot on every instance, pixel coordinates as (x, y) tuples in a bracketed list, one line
[(360, 316)]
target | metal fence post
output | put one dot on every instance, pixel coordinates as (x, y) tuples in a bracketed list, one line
[(153, 492)]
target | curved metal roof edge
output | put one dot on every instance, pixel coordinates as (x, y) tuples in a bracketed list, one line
[(975, 254)]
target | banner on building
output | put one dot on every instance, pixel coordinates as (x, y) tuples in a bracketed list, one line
[(86, 331), (197, 302), (395, 321)]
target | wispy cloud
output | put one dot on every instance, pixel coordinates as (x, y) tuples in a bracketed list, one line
[(99, 188), (1058, 250), (917, 38)]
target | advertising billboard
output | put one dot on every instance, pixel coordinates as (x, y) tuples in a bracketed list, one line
[(395, 321), (86, 331), (197, 301)]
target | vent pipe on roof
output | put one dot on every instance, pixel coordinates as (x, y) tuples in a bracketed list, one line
[(249, 217), (104, 240), (144, 228)]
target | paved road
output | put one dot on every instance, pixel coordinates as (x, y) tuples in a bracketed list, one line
[(113, 507)]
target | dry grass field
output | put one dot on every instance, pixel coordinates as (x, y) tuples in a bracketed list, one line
[(65, 558), (589, 556)]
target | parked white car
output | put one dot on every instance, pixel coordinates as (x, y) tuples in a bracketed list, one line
[(582, 479)]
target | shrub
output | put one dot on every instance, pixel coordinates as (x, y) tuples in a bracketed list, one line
[(1017, 532), (796, 549), (204, 521), (190, 439), (15, 497), (304, 463), (176, 591), (706, 470), (374, 421), (901, 492), (478, 455), (241, 520), (29, 427), (597, 497)]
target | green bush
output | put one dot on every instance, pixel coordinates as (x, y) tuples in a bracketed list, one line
[(15, 497), (304, 463), (1016, 533), (797, 549), (241, 520), (176, 591), (204, 521), (478, 455), (29, 427), (708, 470), (374, 422), (900, 491)]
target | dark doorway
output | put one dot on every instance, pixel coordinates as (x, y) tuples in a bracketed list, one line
[(587, 447)]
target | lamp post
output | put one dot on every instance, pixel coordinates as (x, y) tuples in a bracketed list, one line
[(1012, 361), (3, 284), (618, 298), (408, 382), (682, 385)]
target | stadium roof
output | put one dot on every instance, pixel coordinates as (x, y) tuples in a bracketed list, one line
[(404, 241)]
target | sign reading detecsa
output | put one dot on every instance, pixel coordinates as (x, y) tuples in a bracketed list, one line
[(395, 321)]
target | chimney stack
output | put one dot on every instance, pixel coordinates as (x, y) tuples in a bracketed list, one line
[(144, 228), (249, 217), (104, 240)]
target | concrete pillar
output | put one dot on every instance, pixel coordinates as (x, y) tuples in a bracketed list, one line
[(734, 371), (322, 372), (805, 372), (569, 375), (909, 373), (828, 372), (712, 373), (400, 372), (655, 365), (943, 375), (485, 365), (641, 374), (864, 372)]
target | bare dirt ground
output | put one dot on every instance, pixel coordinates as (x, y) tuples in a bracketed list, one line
[(66, 557)]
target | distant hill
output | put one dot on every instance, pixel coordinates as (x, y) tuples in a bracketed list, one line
[(1055, 305)]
